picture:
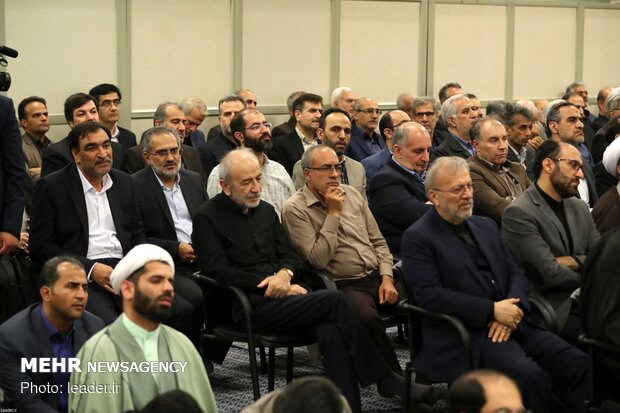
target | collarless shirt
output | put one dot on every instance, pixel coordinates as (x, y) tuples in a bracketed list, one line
[(147, 340), (102, 239), (181, 217)]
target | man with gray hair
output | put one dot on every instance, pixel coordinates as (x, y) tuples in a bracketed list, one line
[(457, 264), (603, 114), (288, 127), (365, 141), (426, 113), (457, 111), (343, 98), (404, 102), (214, 150), (519, 124), (581, 89), (195, 111)]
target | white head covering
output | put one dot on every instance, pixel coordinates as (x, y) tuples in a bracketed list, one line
[(137, 258), (610, 157)]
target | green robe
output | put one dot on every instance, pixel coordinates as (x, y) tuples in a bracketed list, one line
[(125, 391)]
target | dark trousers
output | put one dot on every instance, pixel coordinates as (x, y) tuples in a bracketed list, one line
[(363, 296), (188, 288), (551, 374), (350, 356)]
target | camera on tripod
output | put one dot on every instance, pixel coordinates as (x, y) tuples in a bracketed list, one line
[(5, 77)]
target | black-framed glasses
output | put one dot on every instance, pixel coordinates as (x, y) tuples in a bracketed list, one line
[(458, 190), (110, 102), (327, 168), (420, 115), (256, 126), (370, 111), (163, 153), (509, 410), (573, 163)]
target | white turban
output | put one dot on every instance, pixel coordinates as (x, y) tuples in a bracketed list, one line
[(137, 258), (610, 157)]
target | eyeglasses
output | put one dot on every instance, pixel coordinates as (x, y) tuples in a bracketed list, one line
[(509, 410), (256, 126), (370, 111), (573, 163), (108, 103), (327, 168), (420, 115), (163, 153), (459, 190)]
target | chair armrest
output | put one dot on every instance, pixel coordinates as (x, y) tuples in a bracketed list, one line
[(316, 278), (544, 312), (598, 344)]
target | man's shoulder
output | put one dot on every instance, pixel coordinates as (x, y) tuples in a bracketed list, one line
[(20, 322), (120, 176)]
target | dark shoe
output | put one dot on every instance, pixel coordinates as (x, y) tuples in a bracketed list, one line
[(393, 386)]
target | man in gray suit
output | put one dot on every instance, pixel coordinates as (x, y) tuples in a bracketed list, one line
[(335, 131), (550, 231)]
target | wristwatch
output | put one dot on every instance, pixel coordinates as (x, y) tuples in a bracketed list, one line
[(289, 272)]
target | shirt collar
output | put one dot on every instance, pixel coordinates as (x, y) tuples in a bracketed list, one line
[(309, 197), (49, 327), (177, 180), (414, 173), (304, 139), (497, 168), (86, 186), (138, 332)]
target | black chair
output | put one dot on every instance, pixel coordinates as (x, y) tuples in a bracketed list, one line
[(604, 385), (220, 327), (542, 313)]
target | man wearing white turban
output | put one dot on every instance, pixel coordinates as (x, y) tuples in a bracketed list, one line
[(606, 212), (135, 358)]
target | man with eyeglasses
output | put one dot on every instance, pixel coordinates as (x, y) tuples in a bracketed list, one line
[(333, 229), (365, 141), (287, 149), (335, 131), (252, 131), (387, 125), (168, 197), (109, 99), (396, 194), (424, 111), (485, 391), (457, 264), (459, 115), (565, 124), (550, 232)]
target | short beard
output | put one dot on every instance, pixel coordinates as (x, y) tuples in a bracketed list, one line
[(161, 171), (149, 309)]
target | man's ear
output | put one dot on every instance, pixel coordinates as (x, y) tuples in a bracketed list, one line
[(74, 153), (297, 115), (239, 138), (225, 187), (147, 157), (451, 122), (45, 292), (476, 144), (319, 134), (553, 126)]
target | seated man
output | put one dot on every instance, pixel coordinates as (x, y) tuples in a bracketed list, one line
[(606, 212), (550, 232), (457, 264), (239, 241), (497, 181), (332, 228), (144, 278), (56, 328), (396, 194), (168, 196), (484, 391)]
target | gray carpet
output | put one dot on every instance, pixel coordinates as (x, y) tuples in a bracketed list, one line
[(232, 384)]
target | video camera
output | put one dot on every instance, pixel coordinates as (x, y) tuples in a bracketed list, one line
[(5, 77)]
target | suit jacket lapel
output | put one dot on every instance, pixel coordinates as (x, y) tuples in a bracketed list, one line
[(188, 195), (485, 244), (546, 211), (76, 193), (155, 187)]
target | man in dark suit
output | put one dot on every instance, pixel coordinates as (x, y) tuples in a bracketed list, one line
[(171, 116), (33, 117), (195, 111), (603, 113), (387, 125), (79, 108), (457, 264), (168, 197), (459, 115), (287, 149), (214, 150), (550, 232), (250, 100), (13, 178), (56, 328), (109, 101), (365, 141), (288, 127), (519, 121), (396, 194)]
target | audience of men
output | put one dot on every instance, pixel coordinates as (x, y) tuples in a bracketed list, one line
[(109, 100), (550, 232), (404, 102), (606, 212), (252, 131), (458, 114), (57, 327), (344, 98), (288, 127), (396, 194), (169, 115), (214, 150), (195, 111), (168, 196), (145, 280), (564, 124), (519, 120), (240, 241), (484, 391), (497, 181), (457, 264), (365, 141), (387, 125), (33, 117), (333, 229), (424, 111), (287, 149), (335, 132), (79, 108), (603, 114)]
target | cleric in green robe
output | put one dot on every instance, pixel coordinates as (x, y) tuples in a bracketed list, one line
[(135, 358)]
